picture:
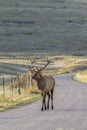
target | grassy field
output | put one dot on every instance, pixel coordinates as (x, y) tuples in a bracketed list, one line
[(60, 64)]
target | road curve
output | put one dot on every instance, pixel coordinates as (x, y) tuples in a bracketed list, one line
[(70, 110)]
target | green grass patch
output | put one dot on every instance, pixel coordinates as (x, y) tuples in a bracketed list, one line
[(27, 97)]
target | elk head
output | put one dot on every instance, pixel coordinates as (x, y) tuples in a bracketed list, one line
[(36, 74)]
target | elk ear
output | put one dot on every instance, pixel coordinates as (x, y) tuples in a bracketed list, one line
[(33, 71)]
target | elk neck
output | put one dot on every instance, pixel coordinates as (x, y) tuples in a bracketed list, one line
[(41, 83)]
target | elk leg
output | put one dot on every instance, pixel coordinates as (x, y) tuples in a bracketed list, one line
[(43, 102), (48, 100), (52, 99)]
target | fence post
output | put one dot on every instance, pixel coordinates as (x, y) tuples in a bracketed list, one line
[(19, 88), (30, 80), (3, 87), (12, 84)]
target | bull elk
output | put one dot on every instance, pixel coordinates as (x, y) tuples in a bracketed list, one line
[(45, 84)]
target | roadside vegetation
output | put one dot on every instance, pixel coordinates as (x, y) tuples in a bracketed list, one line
[(59, 65), (81, 76), (27, 96)]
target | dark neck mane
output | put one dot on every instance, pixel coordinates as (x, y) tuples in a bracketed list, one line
[(41, 82)]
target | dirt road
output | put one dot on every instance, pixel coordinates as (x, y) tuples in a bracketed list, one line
[(70, 110)]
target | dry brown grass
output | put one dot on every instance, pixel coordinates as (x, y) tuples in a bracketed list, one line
[(81, 76), (27, 96), (66, 64)]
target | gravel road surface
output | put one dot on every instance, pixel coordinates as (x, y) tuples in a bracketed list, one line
[(70, 110)]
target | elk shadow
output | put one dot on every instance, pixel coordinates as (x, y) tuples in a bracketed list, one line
[(70, 110)]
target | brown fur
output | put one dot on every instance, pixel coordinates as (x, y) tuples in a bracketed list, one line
[(46, 85)]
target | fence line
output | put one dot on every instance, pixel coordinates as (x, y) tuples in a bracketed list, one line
[(23, 80), (3, 87)]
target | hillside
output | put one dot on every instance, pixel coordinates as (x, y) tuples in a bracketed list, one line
[(55, 27)]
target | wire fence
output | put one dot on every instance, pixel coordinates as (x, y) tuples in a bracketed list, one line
[(10, 86), (15, 84)]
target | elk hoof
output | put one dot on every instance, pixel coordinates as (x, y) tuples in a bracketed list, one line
[(41, 109), (52, 107)]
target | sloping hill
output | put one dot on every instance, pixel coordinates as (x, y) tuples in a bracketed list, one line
[(51, 26)]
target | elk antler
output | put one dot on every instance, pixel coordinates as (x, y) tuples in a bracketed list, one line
[(48, 62), (32, 61)]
